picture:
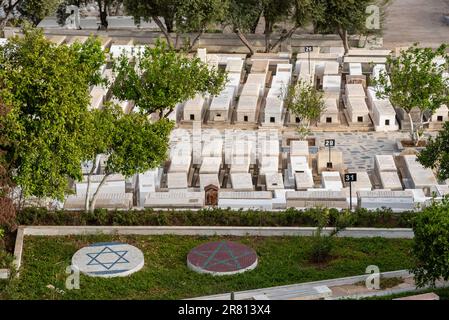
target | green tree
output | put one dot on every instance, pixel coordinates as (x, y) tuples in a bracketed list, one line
[(243, 16), (323, 244), (416, 82), (436, 154), (431, 244), (148, 10), (105, 7), (343, 17), (180, 16), (199, 15), (298, 13), (131, 143), (306, 102), (46, 89), (163, 78), (36, 10)]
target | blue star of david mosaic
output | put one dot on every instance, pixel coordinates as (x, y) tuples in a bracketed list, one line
[(211, 260), (96, 258)]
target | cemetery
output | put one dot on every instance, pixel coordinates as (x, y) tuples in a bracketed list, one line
[(202, 177), (231, 165)]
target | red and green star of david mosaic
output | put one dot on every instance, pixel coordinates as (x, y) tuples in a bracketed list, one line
[(222, 257)]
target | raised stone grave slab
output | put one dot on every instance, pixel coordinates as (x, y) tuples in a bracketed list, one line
[(108, 259), (222, 258)]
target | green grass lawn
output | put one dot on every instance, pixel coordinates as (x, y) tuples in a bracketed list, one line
[(282, 260)]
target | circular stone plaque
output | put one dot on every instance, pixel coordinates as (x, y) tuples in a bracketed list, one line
[(108, 259), (222, 258)]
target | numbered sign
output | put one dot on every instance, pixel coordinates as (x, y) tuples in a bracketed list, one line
[(308, 49), (329, 143), (351, 177)]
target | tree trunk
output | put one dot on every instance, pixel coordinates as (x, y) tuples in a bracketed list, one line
[(163, 29), (268, 31), (343, 33), (412, 129), (197, 38), (255, 24), (283, 37), (169, 24), (88, 185), (245, 41), (95, 196), (103, 14)]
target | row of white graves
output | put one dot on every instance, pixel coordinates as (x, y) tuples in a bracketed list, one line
[(356, 107), (253, 92), (384, 115), (387, 172)]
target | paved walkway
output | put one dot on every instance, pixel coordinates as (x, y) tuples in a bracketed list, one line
[(410, 21), (341, 288), (359, 149)]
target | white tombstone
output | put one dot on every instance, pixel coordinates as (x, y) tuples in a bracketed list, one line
[(331, 113), (355, 69), (420, 177), (145, 184), (273, 181), (194, 109), (211, 165), (220, 107), (331, 68), (207, 179), (273, 111), (355, 91), (177, 180), (252, 90), (180, 163), (299, 148), (242, 182), (357, 110), (331, 180), (304, 180), (384, 116), (269, 165), (394, 200), (247, 108), (332, 84)]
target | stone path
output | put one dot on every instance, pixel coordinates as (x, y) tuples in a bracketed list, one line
[(359, 149)]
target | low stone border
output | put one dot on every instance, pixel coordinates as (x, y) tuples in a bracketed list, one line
[(248, 294), (196, 231)]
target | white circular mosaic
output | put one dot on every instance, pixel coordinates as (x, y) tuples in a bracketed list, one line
[(108, 259)]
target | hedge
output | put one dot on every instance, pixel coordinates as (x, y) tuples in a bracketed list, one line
[(210, 217)]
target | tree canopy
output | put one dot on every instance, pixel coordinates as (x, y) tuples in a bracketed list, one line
[(416, 82), (131, 143), (45, 87), (436, 154), (162, 78), (306, 102), (431, 244), (344, 17)]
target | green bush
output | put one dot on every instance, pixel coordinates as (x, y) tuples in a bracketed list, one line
[(321, 248), (212, 217)]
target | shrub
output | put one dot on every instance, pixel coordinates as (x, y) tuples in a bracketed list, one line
[(321, 249), (215, 217)]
